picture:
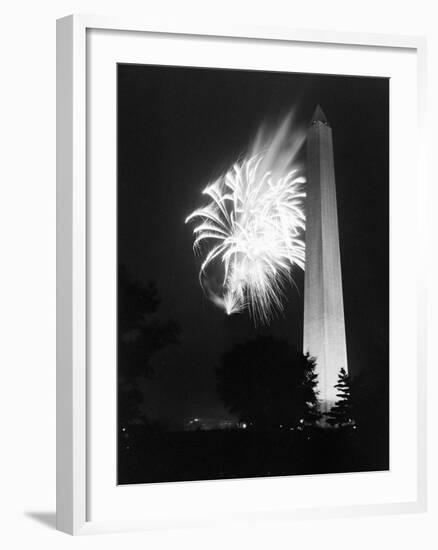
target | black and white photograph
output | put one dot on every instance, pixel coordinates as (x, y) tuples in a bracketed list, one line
[(219, 264), (253, 274)]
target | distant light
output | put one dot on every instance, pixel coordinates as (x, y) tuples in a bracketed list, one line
[(196, 420), (301, 421), (281, 425), (123, 429), (244, 425)]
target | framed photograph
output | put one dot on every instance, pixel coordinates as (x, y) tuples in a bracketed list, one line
[(241, 320)]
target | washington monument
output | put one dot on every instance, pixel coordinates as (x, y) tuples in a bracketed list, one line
[(324, 324)]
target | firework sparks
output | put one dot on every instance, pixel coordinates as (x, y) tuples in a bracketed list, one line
[(252, 228)]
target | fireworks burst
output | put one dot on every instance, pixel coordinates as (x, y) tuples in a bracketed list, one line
[(253, 228)]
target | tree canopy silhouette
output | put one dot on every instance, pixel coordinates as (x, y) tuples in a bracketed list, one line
[(141, 334), (341, 414), (267, 383)]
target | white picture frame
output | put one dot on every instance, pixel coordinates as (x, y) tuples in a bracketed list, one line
[(74, 397)]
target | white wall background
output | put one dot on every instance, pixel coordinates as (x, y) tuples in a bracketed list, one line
[(27, 271)]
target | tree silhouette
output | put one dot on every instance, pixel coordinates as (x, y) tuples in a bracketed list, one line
[(267, 383), (141, 334), (311, 413), (341, 414)]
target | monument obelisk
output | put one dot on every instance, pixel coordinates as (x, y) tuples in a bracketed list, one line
[(324, 323)]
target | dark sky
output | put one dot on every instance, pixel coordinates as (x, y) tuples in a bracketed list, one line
[(178, 128)]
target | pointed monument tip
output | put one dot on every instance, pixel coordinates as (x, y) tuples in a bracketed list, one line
[(319, 116)]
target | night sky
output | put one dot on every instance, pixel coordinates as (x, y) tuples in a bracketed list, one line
[(178, 129)]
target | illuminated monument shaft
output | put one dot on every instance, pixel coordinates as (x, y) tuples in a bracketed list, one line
[(324, 324)]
